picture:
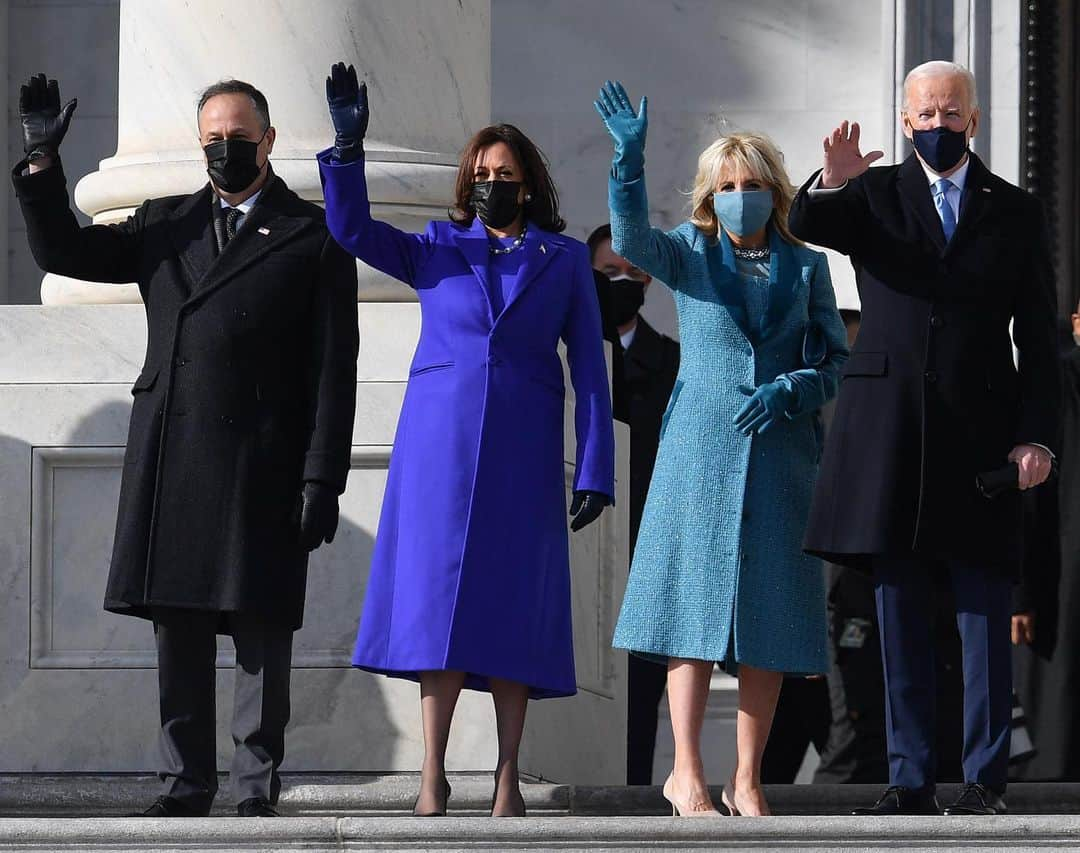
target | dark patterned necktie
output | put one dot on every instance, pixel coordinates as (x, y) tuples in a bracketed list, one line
[(232, 221)]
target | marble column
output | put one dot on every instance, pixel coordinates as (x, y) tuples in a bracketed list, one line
[(427, 66)]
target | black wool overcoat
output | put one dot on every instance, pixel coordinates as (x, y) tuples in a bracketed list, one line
[(650, 367), (247, 391), (930, 396)]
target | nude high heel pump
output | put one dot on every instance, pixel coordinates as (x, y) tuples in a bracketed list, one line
[(685, 809)]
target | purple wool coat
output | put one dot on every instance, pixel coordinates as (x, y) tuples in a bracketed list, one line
[(471, 567)]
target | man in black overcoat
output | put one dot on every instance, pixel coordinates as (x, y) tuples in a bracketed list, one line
[(241, 424), (640, 394), (947, 255)]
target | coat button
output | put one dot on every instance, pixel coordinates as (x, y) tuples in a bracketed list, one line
[(180, 362), (937, 321), (225, 419), (494, 361), (930, 376)]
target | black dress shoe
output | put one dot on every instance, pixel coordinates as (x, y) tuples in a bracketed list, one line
[(169, 807), (898, 800), (256, 807), (977, 799)]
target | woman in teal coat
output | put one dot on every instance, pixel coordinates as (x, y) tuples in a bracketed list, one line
[(718, 573)]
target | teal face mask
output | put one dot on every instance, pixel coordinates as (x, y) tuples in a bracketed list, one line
[(743, 213)]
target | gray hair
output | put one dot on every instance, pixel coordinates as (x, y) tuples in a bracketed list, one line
[(941, 68), (237, 87)]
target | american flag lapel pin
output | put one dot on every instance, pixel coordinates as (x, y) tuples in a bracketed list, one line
[(264, 231), (986, 189)]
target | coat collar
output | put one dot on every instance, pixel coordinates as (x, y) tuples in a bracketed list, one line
[(646, 350), (538, 250), (784, 281), (915, 190), (974, 202), (916, 194), (273, 221)]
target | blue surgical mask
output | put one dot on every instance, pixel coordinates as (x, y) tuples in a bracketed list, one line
[(743, 213)]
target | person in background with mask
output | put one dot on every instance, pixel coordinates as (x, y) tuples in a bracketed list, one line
[(240, 430), (650, 362), (718, 573), (470, 575), (947, 255)]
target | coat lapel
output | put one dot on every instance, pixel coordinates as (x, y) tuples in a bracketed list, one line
[(785, 278), (974, 202), (473, 244), (915, 191), (264, 229), (539, 250), (192, 235), (720, 259)]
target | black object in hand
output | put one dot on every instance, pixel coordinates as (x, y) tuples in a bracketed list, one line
[(44, 123), (347, 99), (586, 508), (318, 515), (992, 483)]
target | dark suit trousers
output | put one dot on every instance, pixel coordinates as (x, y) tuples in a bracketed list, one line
[(187, 649), (903, 586), (647, 682)]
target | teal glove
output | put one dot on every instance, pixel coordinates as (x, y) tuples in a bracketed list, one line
[(767, 405), (626, 127)]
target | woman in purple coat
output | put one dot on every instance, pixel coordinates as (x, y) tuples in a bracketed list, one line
[(470, 576)]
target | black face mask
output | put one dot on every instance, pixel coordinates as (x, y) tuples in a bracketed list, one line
[(496, 202), (232, 164), (940, 147), (627, 297)]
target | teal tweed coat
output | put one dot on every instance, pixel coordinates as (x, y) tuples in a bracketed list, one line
[(718, 572)]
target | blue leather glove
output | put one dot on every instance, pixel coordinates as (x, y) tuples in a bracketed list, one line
[(348, 104), (586, 508), (767, 404), (626, 127)]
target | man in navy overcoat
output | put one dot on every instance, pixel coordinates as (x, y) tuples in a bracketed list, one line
[(948, 256)]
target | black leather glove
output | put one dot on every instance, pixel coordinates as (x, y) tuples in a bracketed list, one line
[(44, 123), (348, 104), (586, 508), (318, 515)]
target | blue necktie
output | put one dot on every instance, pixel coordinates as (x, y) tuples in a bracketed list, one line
[(944, 209)]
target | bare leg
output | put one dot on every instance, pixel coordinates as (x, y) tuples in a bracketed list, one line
[(439, 692), (688, 693), (758, 691), (511, 700)]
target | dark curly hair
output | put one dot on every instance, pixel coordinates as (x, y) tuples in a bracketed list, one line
[(542, 209)]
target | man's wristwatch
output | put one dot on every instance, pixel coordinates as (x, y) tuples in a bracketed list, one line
[(38, 154)]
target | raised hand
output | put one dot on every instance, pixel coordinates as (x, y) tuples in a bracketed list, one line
[(347, 99), (843, 160), (627, 129), (44, 123), (586, 508)]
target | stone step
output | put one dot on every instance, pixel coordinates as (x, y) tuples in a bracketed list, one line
[(610, 834), (341, 794)]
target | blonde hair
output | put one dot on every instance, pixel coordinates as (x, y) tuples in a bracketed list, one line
[(753, 155)]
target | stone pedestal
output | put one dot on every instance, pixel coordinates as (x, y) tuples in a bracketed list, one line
[(427, 66)]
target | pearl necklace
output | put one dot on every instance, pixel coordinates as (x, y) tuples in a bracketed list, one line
[(508, 249), (751, 254)]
